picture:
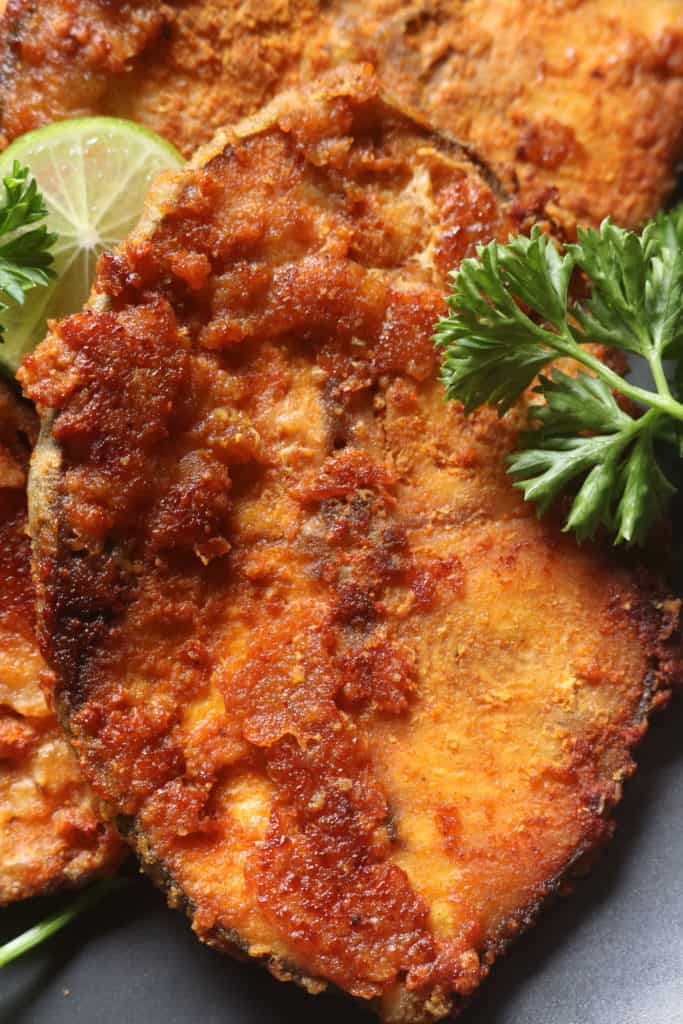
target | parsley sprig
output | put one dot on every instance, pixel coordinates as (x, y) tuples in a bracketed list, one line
[(512, 313), (34, 936), (25, 257)]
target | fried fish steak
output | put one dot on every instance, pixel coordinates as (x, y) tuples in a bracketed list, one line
[(182, 68), (582, 99), (50, 828), (355, 707)]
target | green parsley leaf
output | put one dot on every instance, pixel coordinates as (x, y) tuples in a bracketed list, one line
[(25, 257), (574, 404), (512, 314), (492, 348), (544, 471), (646, 493), (637, 293)]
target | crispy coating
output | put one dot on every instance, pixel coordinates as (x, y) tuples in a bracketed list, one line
[(182, 68), (353, 704), (581, 100), (50, 828)]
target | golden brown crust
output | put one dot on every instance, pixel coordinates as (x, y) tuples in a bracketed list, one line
[(51, 833), (58, 57), (183, 67), (581, 101), (354, 702)]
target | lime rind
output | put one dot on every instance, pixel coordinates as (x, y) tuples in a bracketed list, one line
[(93, 173), (78, 126)]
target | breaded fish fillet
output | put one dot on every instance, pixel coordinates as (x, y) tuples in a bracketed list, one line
[(50, 831), (581, 99), (354, 706)]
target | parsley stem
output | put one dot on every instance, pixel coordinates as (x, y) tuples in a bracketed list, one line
[(655, 400), (647, 422), (659, 377), (55, 922)]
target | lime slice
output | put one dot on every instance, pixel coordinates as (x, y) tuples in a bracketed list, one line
[(94, 173)]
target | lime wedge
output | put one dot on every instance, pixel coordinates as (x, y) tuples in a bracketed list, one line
[(94, 173)]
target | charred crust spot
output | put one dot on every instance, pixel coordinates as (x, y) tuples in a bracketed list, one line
[(547, 143)]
